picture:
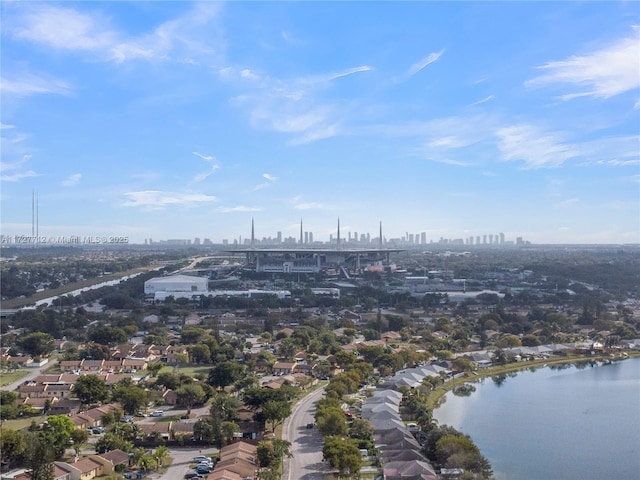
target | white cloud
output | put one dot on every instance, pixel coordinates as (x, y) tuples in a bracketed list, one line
[(71, 180), (533, 146), (604, 73), (27, 84), (422, 64), (239, 208), (269, 180), (208, 158), (214, 166), (16, 176), (64, 28), (333, 76), (4, 126), (160, 199), (291, 106), (13, 172), (635, 178), (484, 100)]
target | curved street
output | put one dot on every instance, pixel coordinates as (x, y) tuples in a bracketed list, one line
[(306, 443)]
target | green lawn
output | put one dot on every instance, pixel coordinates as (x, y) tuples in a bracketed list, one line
[(7, 378), (190, 370), (21, 423)]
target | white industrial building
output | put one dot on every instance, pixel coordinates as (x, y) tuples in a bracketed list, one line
[(176, 286)]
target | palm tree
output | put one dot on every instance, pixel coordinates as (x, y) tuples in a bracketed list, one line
[(146, 462), (160, 454)]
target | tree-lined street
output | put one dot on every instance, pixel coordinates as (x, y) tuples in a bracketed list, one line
[(306, 443)]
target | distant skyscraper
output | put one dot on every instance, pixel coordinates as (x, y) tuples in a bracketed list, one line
[(279, 237), (491, 238), (310, 237), (423, 238), (484, 239), (501, 238)]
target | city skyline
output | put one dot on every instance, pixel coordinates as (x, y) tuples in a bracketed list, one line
[(180, 120)]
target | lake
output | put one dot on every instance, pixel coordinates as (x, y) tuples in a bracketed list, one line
[(555, 424)]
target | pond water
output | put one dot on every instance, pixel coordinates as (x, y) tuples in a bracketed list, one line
[(557, 423)]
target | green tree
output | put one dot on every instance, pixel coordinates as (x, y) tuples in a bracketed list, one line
[(275, 412), (36, 344), (59, 429), (154, 368), (39, 456), (190, 395), (160, 455), (12, 446), (508, 341), (361, 429), (91, 389), (106, 335), (110, 441), (224, 406), (78, 437), (343, 455), (228, 431), (131, 397), (199, 353), (463, 364), (331, 421), (225, 374)]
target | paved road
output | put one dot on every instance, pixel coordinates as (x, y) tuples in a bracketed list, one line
[(306, 443), (33, 373)]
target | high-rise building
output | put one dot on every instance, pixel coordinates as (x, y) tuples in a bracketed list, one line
[(501, 238)]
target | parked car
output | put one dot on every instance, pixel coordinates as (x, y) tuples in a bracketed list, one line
[(203, 469), (193, 475), (202, 458), (157, 413)]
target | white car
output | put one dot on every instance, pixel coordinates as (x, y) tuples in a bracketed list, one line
[(157, 413)]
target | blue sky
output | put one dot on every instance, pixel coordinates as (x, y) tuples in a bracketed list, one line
[(180, 120)]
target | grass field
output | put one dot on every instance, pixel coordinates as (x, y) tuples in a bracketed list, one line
[(7, 378), (21, 423), (189, 370)]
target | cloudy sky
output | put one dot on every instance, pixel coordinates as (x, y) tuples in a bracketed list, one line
[(176, 119)]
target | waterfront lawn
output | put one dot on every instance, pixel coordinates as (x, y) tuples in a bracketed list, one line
[(435, 395)]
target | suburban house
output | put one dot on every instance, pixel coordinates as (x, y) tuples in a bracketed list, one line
[(283, 368)]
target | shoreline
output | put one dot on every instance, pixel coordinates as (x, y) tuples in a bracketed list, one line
[(438, 399), (435, 396)]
